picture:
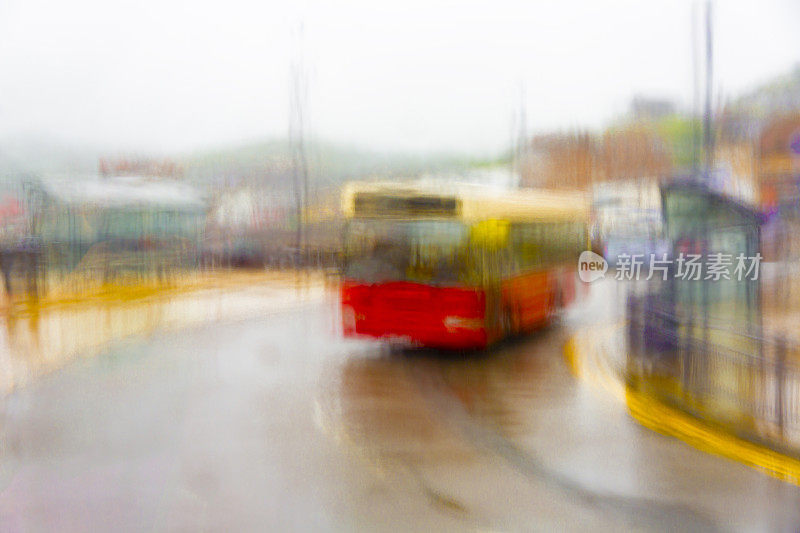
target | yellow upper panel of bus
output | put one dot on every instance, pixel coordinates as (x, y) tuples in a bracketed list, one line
[(461, 201)]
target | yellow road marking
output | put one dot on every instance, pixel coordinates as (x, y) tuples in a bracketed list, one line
[(118, 293), (661, 418), (654, 415)]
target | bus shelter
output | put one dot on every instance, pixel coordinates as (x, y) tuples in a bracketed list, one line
[(695, 337), (719, 290), (96, 230)]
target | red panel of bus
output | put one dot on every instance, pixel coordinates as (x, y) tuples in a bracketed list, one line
[(452, 317), (442, 317)]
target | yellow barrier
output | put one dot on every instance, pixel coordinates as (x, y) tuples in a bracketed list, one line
[(656, 415)]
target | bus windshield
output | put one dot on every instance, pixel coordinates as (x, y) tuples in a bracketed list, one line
[(434, 252)]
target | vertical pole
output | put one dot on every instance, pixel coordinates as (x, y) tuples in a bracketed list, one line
[(696, 92), (708, 147), (520, 143), (780, 371), (708, 137), (297, 119), (294, 125)]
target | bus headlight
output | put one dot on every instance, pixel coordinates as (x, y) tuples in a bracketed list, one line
[(459, 322), (348, 319)]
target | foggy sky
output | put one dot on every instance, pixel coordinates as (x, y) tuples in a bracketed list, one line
[(412, 75)]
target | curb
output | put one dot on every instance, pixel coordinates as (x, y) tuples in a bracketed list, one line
[(670, 421), (120, 294)]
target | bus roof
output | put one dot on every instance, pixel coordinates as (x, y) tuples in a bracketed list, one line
[(468, 202)]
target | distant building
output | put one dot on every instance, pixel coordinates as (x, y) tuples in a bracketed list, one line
[(94, 228), (140, 167), (580, 160), (779, 165), (651, 108), (632, 153), (558, 161), (248, 208)]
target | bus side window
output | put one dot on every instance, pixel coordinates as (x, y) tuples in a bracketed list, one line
[(529, 246), (566, 240), (517, 258), (581, 238), (568, 237), (546, 233), (558, 241), (559, 237), (533, 246)]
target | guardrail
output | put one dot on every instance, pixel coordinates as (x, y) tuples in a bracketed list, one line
[(745, 380)]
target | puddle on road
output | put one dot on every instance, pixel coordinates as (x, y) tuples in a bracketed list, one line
[(381, 407)]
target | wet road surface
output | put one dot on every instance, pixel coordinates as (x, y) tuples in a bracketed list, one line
[(275, 422)]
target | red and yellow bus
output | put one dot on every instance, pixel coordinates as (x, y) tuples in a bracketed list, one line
[(457, 267)]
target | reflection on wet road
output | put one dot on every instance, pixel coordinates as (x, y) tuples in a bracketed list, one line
[(488, 414), (35, 340), (277, 422)]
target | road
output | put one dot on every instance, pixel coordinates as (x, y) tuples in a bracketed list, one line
[(275, 422)]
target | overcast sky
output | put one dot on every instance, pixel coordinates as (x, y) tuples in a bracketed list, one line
[(409, 75)]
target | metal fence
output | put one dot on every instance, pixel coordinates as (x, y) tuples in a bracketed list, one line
[(731, 375)]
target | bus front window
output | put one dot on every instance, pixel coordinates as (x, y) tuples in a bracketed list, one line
[(434, 252)]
